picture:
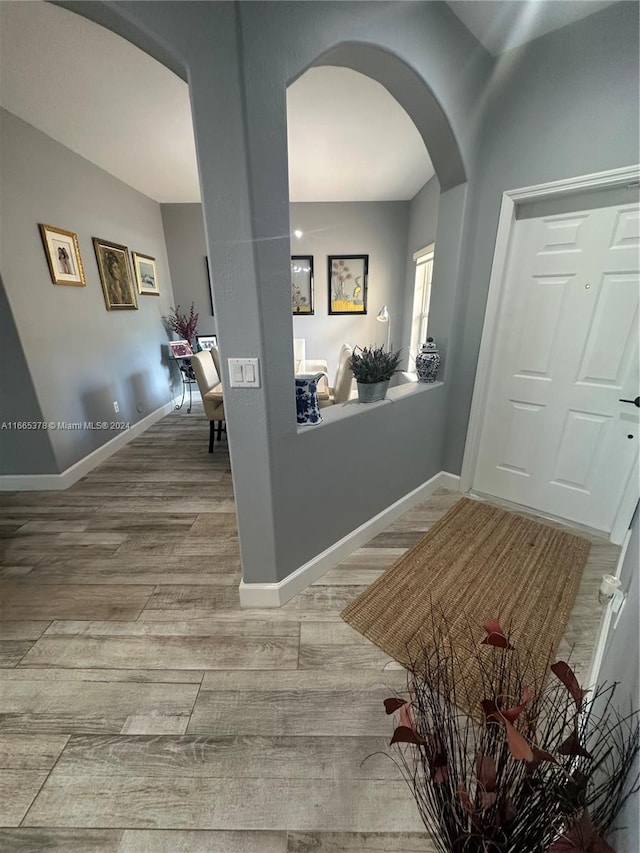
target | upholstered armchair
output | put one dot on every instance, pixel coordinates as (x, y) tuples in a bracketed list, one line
[(208, 379), (301, 363), (341, 390)]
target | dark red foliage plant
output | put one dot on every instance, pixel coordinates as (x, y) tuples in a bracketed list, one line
[(184, 325), (535, 764)]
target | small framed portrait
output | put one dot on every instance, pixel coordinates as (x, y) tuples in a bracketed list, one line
[(207, 342), (180, 349), (146, 273), (348, 283), (115, 275), (301, 284), (63, 256)]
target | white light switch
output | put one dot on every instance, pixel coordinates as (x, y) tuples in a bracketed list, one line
[(244, 372)]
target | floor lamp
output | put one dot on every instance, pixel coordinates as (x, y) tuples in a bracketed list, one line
[(383, 316)]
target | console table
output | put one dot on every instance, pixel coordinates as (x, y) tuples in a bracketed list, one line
[(188, 379)]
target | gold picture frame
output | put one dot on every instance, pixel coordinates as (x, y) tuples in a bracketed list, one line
[(116, 277), (144, 267), (63, 256)]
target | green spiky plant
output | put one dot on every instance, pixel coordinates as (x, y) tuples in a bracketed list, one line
[(374, 364)]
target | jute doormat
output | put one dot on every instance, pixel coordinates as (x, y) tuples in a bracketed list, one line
[(476, 563)]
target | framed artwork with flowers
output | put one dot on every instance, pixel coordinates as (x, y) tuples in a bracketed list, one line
[(301, 284), (347, 276)]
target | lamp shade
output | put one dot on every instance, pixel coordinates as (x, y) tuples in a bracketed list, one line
[(383, 315)]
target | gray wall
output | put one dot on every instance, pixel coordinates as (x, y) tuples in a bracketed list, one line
[(565, 104), (21, 451), (377, 229), (423, 226), (187, 250), (81, 357)]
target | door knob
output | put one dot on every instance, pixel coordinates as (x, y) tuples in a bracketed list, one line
[(635, 402)]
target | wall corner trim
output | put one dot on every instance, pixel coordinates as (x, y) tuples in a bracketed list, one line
[(52, 482), (276, 594)]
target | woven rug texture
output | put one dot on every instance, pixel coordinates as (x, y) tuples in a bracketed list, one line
[(478, 562)]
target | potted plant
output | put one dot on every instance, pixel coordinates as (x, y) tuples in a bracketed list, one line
[(185, 326), (532, 766), (373, 367)]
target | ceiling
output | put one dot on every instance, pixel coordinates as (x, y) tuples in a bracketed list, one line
[(501, 25), (349, 140), (100, 96)]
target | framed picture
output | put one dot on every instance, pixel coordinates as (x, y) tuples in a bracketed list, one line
[(207, 342), (63, 256), (301, 284), (115, 274), (146, 274), (347, 275), (180, 349)]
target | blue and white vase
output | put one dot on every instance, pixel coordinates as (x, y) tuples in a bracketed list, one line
[(307, 407), (428, 361)]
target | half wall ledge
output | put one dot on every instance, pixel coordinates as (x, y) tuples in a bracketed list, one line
[(354, 408)]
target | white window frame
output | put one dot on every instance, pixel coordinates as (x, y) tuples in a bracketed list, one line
[(421, 298)]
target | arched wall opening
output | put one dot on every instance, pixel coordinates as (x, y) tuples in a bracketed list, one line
[(414, 95), (374, 223), (361, 183), (238, 100)]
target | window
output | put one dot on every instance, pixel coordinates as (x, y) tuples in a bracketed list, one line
[(421, 297)]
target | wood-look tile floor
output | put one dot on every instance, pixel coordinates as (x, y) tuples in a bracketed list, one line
[(142, 711)]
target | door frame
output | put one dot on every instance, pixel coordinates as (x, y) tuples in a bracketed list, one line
[(497, 285)]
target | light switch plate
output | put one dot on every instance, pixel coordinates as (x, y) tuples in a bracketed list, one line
[(244, 372)]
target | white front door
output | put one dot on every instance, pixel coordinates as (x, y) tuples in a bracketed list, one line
[(555, 436)]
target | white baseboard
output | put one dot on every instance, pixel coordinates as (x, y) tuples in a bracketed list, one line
[(277, 594), (50, 482)]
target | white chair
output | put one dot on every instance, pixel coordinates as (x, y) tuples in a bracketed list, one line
[(341, 390)]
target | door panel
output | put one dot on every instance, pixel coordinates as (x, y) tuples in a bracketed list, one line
[(555, 436)]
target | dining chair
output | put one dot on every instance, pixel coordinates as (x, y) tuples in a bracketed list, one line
[(208, 379), (341, 389)]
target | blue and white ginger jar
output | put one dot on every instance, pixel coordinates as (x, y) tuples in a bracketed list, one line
[(428, 361)]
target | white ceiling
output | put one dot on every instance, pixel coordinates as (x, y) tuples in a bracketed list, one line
[(100, 96), (111, 103), (503, 24), (350, 140)]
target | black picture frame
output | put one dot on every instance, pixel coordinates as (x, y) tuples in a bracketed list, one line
[(347, 277), (207, 342), (206, 262), (302, 285)]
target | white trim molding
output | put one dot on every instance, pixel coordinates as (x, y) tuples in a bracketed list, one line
[(615, 178), (605, 623), (277, 594), (428, 250), (52, 482)]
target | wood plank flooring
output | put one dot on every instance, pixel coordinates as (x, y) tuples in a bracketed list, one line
[(142, 711)]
